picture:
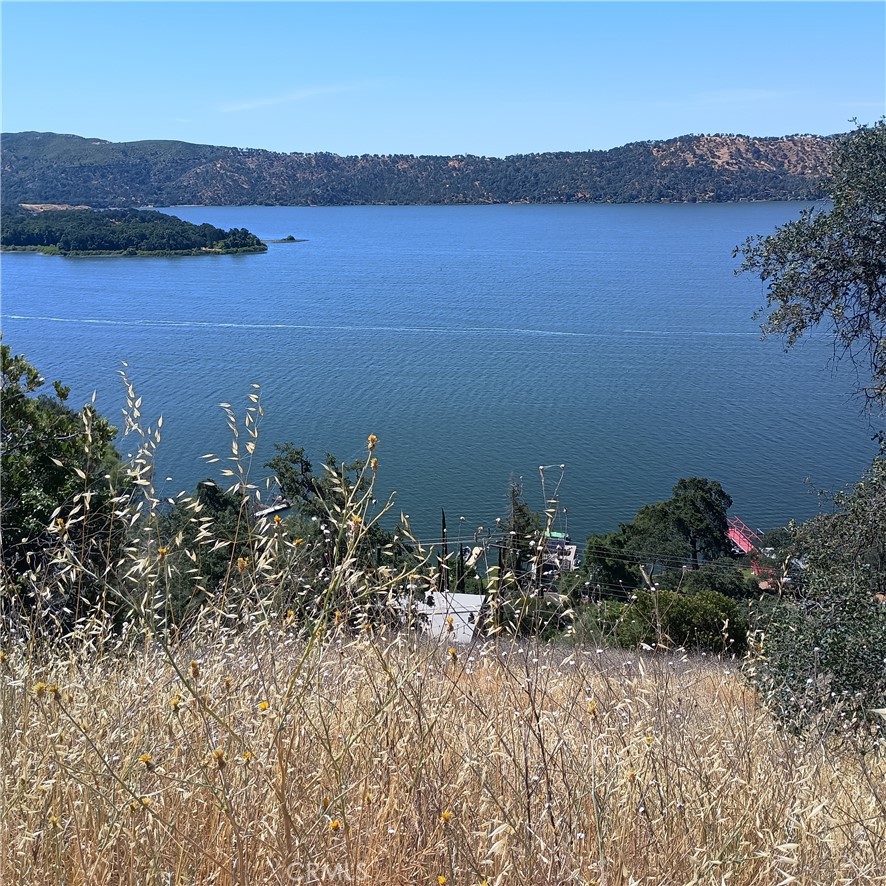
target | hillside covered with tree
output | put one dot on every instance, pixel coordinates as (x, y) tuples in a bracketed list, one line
[(49, 168)]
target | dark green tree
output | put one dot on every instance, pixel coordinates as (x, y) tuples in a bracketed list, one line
[(828, 268), (820, 654), (205, 534), (697, 514), (295, 477), (60, 476), (522, 530), (690, 526)]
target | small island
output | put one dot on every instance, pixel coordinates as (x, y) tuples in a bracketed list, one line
[(289, 238), (80, 231)]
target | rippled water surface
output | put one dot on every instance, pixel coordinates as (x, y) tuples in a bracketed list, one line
[(477, 342)]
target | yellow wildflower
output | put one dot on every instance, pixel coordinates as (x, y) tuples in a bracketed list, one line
[(39, 689), (299, 542), (334, 825), (175, 701), (592, 708), (195, 669), (148, 760), (219, 756), (445, 815), (373, 463), (242, 563), (247, 756), (277, 520), (162, 552), (441, 880), (452, 653), (263, 705), (371, 440)]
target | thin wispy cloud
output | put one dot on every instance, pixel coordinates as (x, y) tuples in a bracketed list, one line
[(297, 95)]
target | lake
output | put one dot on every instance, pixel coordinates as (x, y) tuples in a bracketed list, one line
[(476, 342)]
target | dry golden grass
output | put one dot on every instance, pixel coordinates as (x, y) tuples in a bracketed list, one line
[(261, 748), (263, 758)]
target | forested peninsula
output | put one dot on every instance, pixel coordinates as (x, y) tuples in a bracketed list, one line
[(44, 167), (79, 231)]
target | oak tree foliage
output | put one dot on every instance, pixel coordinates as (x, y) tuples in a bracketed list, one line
[(828, 268)]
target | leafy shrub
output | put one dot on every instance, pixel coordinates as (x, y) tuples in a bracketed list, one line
[(820, 661), (533, 616), (705, 621), (819, 658)]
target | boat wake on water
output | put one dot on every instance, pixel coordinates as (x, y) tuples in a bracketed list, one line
[(332, 327)]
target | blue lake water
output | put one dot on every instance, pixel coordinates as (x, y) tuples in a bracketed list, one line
[(477, 342)]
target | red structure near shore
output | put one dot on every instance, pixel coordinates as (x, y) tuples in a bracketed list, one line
[(747, 541)]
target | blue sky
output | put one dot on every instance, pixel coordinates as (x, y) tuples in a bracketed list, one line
[(439, 78)]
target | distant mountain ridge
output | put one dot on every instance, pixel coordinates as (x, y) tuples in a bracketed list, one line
[(44, 167)]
